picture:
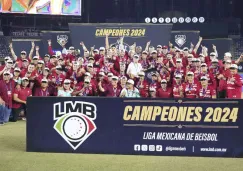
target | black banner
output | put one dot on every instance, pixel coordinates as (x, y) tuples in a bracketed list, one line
[(94, 34)]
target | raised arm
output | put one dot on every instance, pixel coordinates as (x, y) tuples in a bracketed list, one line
[(215, 50), (32, 50), (50, 48), (147, 46), (12, 51), (84, 47), (198, 44), (37, 48)]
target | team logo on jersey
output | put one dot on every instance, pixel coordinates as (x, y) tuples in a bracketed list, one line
[(74, 121), (180, 40), (62, 39)]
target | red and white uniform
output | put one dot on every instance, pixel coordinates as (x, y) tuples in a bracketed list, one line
[(176, 91), (234, 88), (191, 90), (143, 87), (164, 93), (207, 93)]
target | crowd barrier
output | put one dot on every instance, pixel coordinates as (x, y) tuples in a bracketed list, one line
[(163, 127)]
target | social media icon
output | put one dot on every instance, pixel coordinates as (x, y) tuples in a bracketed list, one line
[(154, 20), (167, 20), (174, 20), (201, 19), (194, 19), (147, 20), (144, 147), (137, 147), (159, 148), (181, 20), (161, 20), (151, 147)]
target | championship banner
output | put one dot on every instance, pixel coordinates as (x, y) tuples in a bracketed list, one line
[(25, 44), (163, 127), (94, 34), (183, 39), (57, 38), (223, 45)]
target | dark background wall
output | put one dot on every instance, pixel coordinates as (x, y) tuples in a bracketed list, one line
[(228, 12)]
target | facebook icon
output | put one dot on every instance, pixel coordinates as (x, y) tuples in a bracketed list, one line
[(136, 147)]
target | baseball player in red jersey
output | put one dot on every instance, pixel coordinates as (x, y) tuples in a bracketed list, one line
[(204, 72), (234, 83), (205, 90), (178, 91), (155, 81), (152, 92), (142, 85), (164, 91), (190, 88)]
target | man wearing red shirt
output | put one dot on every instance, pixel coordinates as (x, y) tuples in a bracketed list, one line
[(222, 78), (234, 83), (85, 89), (58, 75), (111, 90), (7, 86), (20, 98), (23, 55), (144, 60), (142, 85), (164, 91), (206, 91), (190, 88), (152, 92), (8, 67), (204, 72), (43, 90), (155, 81)]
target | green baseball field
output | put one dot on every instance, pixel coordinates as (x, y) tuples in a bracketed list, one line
[(13, 157)]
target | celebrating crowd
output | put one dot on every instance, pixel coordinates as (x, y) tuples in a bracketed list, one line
[(113, 71)]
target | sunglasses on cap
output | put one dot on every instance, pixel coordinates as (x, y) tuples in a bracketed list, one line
[(35, 59), (25, 80), (164, 83), (43, 81), (110, 75), (66, 83), (177, 77), (178, 61), (102, 50), (86, 82), (59, 69), (203, 65), (6, 74), (233, 68), (16, 71), (203, 79), (90, 66), (40, 63), (23, 53), (190, 75), (10, 62)]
